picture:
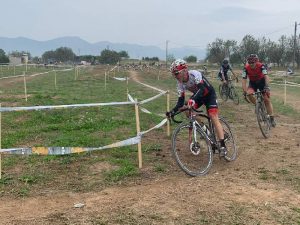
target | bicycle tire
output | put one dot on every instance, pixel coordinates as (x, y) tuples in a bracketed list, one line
[(234, 96), (223, 92), (229, 141), (262, 119), (191, 164)]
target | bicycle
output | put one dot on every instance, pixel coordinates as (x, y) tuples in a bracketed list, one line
[(228, 91), (262, 116), (194, 144)]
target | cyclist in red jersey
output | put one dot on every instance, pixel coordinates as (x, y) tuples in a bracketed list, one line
[(203, 94), (258, 79)]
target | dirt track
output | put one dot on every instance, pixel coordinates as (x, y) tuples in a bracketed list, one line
[(261, 187)]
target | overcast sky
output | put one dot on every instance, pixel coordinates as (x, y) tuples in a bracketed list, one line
[(149, 22)]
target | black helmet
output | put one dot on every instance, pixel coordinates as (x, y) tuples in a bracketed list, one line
[(225, 62)]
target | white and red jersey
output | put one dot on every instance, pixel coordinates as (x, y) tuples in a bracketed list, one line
[(193, 84)]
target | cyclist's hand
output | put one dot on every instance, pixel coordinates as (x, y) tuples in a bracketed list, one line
[(191, 103), (170, 114)]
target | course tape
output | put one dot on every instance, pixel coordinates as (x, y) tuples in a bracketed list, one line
[(70, 150), (120, 78), (10, 109), (154, 88), (289, 85), (144, 109), (33, 75)]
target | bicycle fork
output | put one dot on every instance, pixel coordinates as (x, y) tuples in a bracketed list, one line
[(194, 144)]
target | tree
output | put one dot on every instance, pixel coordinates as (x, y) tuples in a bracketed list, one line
[(3, 57), (249, 45), (109, 57), (124, 54), (62, 54), (190, 59)]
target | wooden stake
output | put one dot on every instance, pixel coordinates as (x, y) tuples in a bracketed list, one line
[(0, 148), (137, 118), (55, 79), (25, 86), (127, 88), (168, 109), (284, 102), (105, 81)]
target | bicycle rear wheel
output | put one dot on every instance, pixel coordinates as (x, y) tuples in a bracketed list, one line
[(229, 141), (192, 152), (223, 92), (234, 96), (263, 119)]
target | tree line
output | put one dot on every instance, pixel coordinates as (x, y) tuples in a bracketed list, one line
[(66, 55), (281, 53)]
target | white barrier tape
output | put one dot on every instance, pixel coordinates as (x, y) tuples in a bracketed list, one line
[(155, 127), (68, 150), (145, 110), (289, 85), (150, 86), (120, 78), (113, 68), (130, 98), (12, 77), (33, 75), (292, 83), (10, 109), (36, 74), (152, 98)]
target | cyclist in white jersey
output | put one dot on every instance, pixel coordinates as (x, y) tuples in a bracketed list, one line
[(203, 94)]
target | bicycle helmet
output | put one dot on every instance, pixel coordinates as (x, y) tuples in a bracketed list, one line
[(252, 58), (225, 62), (177, 66)]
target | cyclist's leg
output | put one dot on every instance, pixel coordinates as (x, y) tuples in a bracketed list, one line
[(268, 103), (266, 96), (251, 89), (213, 113)]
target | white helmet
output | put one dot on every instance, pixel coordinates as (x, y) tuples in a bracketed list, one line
[(178, 65)]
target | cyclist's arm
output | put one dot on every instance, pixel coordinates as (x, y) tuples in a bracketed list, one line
[(180, 103), (267, 79), (265, 72), (222, 73), (244, 80)]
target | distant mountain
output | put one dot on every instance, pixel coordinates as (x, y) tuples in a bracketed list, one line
[(82, 47)]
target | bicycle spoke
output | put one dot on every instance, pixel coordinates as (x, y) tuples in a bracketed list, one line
[(263, 119), (194, 158), (229, 141)]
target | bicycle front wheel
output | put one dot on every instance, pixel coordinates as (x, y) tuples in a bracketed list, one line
[(223, 92), (191, 150), (234, 96), (263, 119)]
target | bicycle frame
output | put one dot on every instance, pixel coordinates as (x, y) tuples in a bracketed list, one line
[(195, 125), (193, 147), (263, 118)]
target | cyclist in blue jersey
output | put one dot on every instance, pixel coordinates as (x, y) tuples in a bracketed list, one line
[(203, 94), (223, 73)]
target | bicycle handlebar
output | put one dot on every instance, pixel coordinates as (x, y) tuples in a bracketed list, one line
[(180, 111), (257, 92)]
